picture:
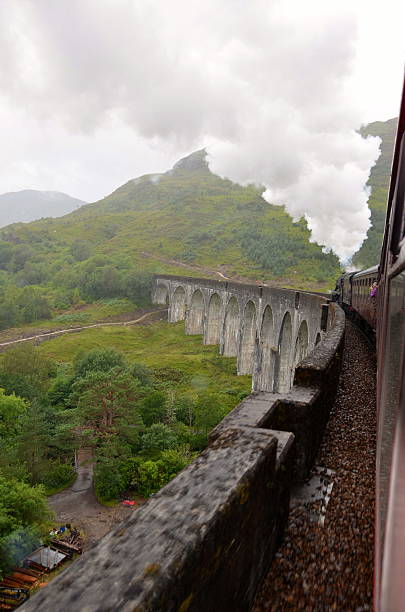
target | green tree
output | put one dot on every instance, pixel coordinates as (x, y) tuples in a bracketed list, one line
[(26, 368), (103, 282), (33, 305), (209, 411), (176, 459), (23, 510), (152, 408), (138, 287), (60, 390), (108, 401), (6, 253), (33, 443), (21, 254), (170, 408), (150, 475), (142, 373), (185, 410), (80, 250), (114, 467), (158, 437), (100, 360), (13, 410)]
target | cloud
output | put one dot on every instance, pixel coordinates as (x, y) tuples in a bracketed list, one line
[(263, 85)]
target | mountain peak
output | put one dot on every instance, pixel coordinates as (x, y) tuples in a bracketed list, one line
[(30, 204), (195, 162)]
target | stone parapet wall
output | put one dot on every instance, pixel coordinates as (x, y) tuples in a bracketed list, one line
[(204, 542)]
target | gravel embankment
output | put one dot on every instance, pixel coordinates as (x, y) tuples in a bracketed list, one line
[(331, 567)]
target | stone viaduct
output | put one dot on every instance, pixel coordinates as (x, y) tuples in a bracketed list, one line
[(205, 541), (269, 330)]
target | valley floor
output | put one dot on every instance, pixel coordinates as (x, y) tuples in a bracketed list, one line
[(15, 336)]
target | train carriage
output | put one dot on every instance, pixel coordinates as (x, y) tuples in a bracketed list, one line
[(384, 312)]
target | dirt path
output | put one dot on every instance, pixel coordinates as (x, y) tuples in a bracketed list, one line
[(176, 262), (209, 271), (79, 506), (58, 332)]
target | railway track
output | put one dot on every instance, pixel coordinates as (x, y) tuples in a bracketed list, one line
[(331, 567)]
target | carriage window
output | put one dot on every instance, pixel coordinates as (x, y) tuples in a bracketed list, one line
[(398, 204)]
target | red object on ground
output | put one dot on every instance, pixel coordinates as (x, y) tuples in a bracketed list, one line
[(128, 502)]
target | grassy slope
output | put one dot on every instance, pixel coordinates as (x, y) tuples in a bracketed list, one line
[(160, 345), (187, 214), (369, 253), (76, 316)]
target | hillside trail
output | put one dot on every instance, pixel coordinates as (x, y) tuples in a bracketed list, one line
[(206, 270), (58, 332), (194, 267), (79, 506)]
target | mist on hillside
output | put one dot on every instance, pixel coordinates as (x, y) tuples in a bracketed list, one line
[(29, 204)]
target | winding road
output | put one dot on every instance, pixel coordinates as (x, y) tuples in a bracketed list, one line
[(58, 332), (78, 504)]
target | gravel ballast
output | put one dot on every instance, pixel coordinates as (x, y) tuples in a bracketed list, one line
[(331, 567)]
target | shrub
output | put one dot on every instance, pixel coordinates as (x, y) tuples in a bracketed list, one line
[(100, 360), (142, 373), (58, 476), (74, 317), (110, 477), (158, 437)]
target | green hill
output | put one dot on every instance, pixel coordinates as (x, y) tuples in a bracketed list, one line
[(186, 220), (369, 253)]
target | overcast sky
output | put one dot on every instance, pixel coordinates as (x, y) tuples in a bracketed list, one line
[(95, 92)]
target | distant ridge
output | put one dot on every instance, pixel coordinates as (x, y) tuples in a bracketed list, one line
[(30, 204)]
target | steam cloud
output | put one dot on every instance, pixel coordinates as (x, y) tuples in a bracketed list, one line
[(262, 85)]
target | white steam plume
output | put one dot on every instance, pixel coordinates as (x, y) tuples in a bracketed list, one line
[(261, 84)]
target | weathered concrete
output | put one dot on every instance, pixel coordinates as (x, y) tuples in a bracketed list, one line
[(269, 330)]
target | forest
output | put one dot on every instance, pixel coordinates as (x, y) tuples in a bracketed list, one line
[(143, 425)]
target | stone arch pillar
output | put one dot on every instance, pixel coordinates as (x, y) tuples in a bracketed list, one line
[(178, 305), (161, 294), (282, 364), (267, 350), (213, 324), (231, 328), (248, 340), (195, 315), (301, 346)]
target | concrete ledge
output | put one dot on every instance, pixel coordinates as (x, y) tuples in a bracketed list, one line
[(326, 356), (203, 542)]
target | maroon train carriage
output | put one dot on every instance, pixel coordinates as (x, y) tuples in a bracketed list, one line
[(354, 293), (363, 300), (390, 498), (384, 313)]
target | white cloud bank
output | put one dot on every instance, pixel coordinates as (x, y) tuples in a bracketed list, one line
[(262, 84)]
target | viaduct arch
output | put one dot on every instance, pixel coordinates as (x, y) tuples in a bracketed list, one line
[(269, 330)]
